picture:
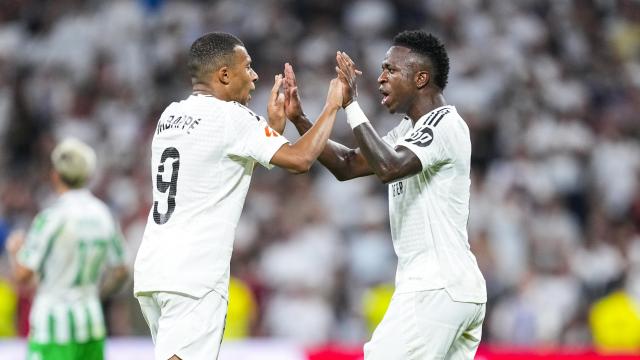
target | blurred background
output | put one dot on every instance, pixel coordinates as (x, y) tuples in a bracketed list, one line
[(550, 90)]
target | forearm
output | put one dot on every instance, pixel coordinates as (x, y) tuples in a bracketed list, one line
[(277, 125), (315, 137), (114, 282), (336, 157), (302, 124), (332, 155), (21, 274), (382, 158)]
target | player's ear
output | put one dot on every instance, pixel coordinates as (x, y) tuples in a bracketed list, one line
[(223, 75), (422, 78)]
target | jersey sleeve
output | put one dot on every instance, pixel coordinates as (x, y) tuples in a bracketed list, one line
[(392, 136), (251, 136), (42, 234), (116, 254), (428, 142)]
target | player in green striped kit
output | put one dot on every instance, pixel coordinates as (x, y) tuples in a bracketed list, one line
[(66, 250)]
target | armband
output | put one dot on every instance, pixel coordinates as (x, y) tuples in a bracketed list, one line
[(355, 116)]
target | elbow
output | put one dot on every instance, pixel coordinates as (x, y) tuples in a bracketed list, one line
[(122, 273), (346, 168), (388, 174), (305, 168), (23, 276), (341, 176), (298, 171), (386, 179), (302, 166), (22, 280)]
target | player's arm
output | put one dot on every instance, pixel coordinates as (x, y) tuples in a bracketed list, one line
[(343, 162), (28, 252), (118, 272), (275, 108), (388, 164), (299, 157), (21, 274), (115, 279)]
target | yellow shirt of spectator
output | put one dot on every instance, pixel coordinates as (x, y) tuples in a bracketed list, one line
[(375, 302), (8, 308), (615, 323), (242, 310)]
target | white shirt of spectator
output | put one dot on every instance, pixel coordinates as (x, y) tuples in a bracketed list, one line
[(203, 154), (67, 246), (429, 211)]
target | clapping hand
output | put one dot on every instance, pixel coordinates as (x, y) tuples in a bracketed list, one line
[(15, 240), (292, 103), (275, 108), (347, 73)]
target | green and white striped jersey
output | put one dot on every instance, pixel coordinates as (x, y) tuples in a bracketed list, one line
[(68, 246)]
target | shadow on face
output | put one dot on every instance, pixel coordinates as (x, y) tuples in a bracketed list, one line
[(242, 77)]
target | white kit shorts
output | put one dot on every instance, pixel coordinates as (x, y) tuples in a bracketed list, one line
[(427, 325), (183, 325)]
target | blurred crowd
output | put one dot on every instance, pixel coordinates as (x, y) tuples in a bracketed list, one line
[(550, 90)]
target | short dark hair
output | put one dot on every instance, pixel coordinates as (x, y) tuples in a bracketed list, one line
[(210, 52), (429, 46)]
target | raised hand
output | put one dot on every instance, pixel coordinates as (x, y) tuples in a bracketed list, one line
[(14, 242), (275, 107), (292, 103), (334, 97), (347, 73)]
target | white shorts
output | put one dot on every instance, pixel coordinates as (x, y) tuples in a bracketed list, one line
[(427, 325), (186, 326)]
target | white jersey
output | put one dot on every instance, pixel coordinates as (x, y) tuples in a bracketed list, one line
[(203, 153), (429, 211), (68, 246)]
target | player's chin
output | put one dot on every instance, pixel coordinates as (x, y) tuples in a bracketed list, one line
[(390, 107)]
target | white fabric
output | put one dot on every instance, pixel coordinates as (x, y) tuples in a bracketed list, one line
[(199, 189), (68, 246), (429, 211), (181, 325), (355, 115), (427, 325)]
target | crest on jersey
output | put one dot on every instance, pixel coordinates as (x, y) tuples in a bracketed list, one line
[(423, 136)]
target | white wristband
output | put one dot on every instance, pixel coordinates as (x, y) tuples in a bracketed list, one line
[(355, 116)]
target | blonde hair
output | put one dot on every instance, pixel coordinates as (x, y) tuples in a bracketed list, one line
[(74, 161)]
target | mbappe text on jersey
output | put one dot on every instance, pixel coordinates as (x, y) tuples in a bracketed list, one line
[(187, 123)]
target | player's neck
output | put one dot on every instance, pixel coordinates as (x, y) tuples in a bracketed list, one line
[(424, 104), (61, 189), (204, 89)]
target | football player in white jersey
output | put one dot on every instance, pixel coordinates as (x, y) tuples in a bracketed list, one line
[(66, 250), (203, 153), (438, 305)]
